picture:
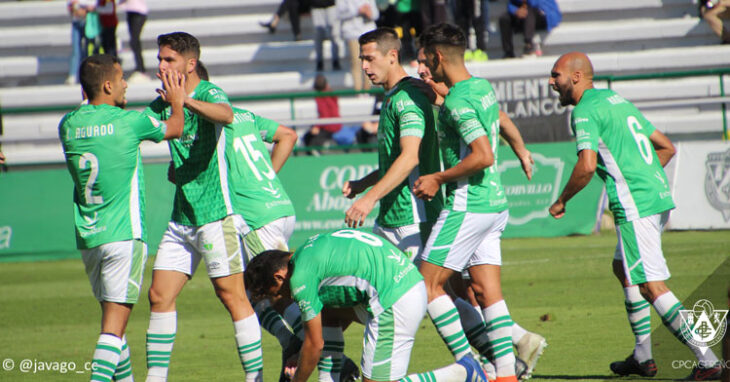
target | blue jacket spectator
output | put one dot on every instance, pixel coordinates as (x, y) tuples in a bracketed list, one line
[(527, 16)]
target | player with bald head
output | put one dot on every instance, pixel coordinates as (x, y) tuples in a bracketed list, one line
[(614, 139)]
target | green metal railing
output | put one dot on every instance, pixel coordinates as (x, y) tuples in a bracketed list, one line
[(719, 72)]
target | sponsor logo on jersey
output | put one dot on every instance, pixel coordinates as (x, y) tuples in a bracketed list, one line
[(154, 121), (274, 191), (717, 182), (704, 326), (298, 289), (579, 120), (616, 99)]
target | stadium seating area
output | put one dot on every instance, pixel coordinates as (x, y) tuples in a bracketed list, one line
[(621, 36)]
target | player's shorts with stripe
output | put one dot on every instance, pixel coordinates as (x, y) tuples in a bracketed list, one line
[(115, 270), (182, 247), (274, 235), (408, 238), (388, 338), (460, 239), (639, 247)]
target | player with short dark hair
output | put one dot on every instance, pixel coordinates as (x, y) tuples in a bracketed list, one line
[(101, 145), (204, 225), (367, 279), (614, 139), (467, 234)]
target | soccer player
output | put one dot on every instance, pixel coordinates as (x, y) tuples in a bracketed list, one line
[(529, 345), (203, 225), (467, 232), (614, 139), (101, 144), (407, 148), (365, 272)]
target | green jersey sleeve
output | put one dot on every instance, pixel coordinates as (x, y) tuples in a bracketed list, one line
[(585, 125), (410, 116), (267, 128), (157, 109), (465, 119), (147, 127), (214, 94), (304, 285)]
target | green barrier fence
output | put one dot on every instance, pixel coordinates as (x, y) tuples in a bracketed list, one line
[(36, 221)]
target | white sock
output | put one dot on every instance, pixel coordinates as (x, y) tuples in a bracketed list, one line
[(445, 317), (106, 357), (517, 332), (668, 307), (499, 330), (474, 328), (160, 339), (293, 317), (639, 314), (330, 362), (451, 373), (248, 340), (123, 373)]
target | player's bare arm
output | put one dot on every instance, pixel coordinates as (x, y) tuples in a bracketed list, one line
[(214, 112), (508, 130), (479, 158), (311, 349), (398, 171), (663, 146), (174, 93), (579, 178), (352, 188), (2, 158), (284, 140)]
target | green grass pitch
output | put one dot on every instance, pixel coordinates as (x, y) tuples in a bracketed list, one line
[(49, 316)]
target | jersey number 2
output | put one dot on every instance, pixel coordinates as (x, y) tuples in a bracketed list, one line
[(92, 162)]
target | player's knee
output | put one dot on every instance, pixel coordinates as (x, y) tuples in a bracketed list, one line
[(159, 299), (230, 299)]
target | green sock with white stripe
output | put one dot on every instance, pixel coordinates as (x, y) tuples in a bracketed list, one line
[(668, 307), (330, 362), (639, 313), (248, 340), (293, 317), (499, 331), (445, 317), (273, 322), (106, 357), (160, 339), (474, 328), (453, 372), (123, 373)]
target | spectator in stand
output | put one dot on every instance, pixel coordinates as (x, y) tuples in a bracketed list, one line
[(465, 16), (136, 17), (326, 25), (77, 9), (357, 17), (714, 11), (293, 8), (327, 107), (527, 16), (107, 10)]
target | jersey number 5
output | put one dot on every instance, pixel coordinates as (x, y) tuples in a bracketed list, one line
[(642, 142), (92, 162)]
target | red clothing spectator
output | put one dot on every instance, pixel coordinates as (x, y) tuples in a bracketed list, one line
[(327, 107)]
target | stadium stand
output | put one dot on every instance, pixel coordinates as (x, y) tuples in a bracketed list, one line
[(622, 37)]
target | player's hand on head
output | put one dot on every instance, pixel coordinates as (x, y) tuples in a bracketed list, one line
[(527, 163), (557, 210), (174, 87), (426, 187)]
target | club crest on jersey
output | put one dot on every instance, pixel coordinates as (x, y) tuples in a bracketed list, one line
[(717, 182), (703, 326)]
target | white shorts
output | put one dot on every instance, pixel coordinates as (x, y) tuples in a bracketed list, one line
[(182, 247), (388, 338), (460, 240), (274, 235), (115, 270), (407, 238), (639, 248)]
